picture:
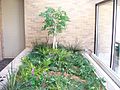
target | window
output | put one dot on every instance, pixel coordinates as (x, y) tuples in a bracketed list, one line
[(107, 37), (104, 31), (116, 62)]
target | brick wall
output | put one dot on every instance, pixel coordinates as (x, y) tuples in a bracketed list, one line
[(80, 27)]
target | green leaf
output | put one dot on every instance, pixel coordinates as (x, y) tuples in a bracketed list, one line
[(54, 20)]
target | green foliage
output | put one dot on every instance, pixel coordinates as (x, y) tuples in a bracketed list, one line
[(63, 83), (34, 74), (11, 81), (55, 20), (11, 84)]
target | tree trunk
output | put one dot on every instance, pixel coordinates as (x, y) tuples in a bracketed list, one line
[(54, 37), (54, 41)]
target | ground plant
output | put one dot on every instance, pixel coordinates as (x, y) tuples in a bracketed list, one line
[(46, 68)]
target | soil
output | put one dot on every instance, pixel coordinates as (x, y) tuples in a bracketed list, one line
[(4, 63), (52, 73)]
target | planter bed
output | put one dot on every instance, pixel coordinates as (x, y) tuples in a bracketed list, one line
[(55, 69)]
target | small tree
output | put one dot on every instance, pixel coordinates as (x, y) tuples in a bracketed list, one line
[(54, 21)]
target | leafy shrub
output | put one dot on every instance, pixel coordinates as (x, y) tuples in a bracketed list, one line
[(57, 69)]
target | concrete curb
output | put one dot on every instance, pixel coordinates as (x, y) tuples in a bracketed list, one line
[(14, 64)]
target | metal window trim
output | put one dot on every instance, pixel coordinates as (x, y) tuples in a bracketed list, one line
[(101, 2), (113, 33), (96, 29), (113, 28), (96, 24)]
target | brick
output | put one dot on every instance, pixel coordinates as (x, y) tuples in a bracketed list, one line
[(81, 25)]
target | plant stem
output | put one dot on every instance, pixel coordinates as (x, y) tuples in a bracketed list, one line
[(55, 39)]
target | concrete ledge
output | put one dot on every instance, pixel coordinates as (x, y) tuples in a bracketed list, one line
[(110, 84), (14, 64), (107, 70)]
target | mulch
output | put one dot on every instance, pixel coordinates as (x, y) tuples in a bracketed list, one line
[(52, 73)]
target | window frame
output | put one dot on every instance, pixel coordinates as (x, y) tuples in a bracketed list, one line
[(108, 70)]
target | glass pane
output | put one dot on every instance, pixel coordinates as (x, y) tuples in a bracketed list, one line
[(105, 15), (116, 63)]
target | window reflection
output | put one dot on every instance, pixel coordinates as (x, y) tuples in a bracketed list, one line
[(105, 13), (116, 63)]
